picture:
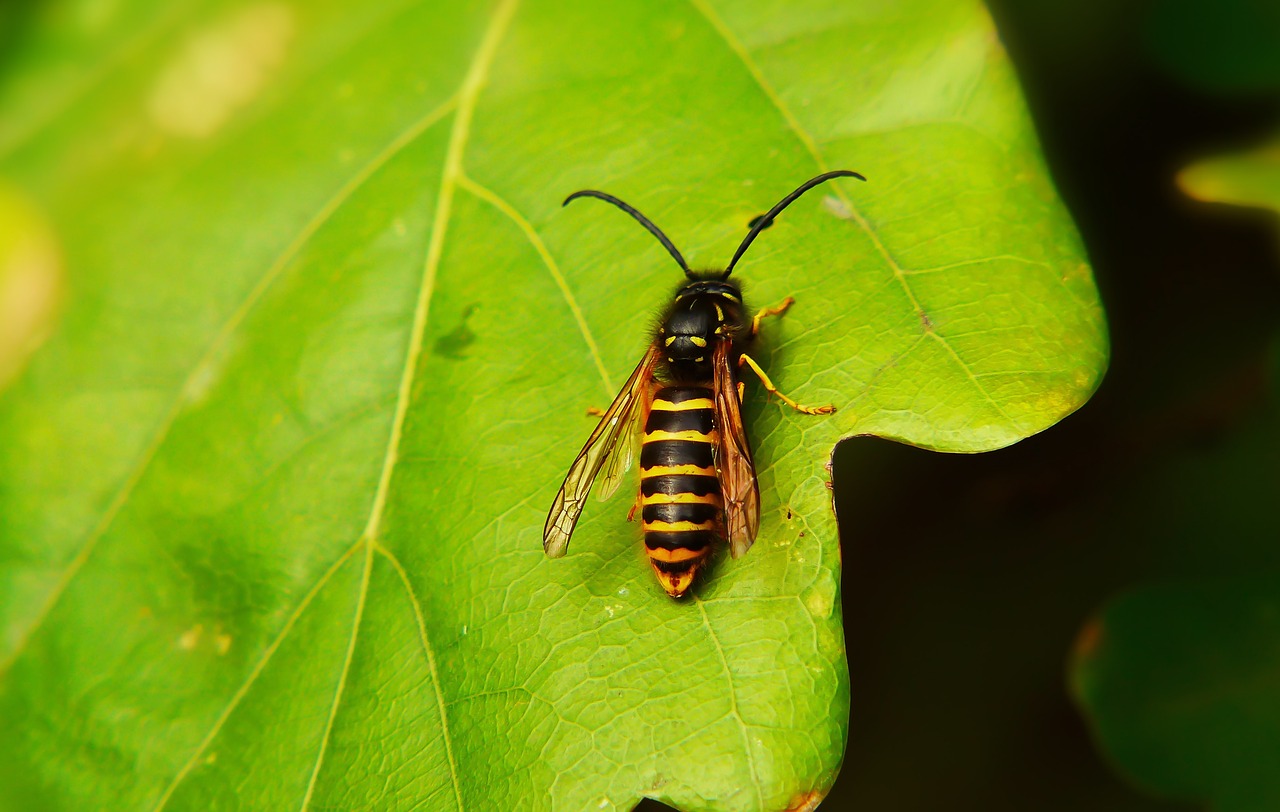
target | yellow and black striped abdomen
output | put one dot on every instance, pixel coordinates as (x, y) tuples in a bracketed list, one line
[(678, 484)]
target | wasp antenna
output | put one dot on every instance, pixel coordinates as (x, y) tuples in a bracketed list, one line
[(640, 218), (762, 222)]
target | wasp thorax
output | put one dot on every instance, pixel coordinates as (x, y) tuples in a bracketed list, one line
[(703, 311)]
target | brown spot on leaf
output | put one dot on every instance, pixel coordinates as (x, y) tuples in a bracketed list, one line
[(806, 802)]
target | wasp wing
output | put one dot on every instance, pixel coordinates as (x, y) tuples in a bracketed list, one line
[(737, 474), (601, 447)]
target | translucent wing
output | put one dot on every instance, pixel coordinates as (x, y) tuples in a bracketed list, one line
[(602, 446), (622, 453), (737, 474)]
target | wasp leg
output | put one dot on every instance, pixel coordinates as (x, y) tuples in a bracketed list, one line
[(768, 385), (592, 411), (636, 505), (776, 310)]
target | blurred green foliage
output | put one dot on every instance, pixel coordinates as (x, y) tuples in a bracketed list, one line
[(1181, 680), (1224, 45)]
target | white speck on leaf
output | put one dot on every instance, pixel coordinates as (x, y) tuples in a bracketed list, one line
[(837, 207)]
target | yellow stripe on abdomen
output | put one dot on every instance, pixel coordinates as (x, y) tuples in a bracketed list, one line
[(692, 436), (674, 470), (677, 527), (684, 406)]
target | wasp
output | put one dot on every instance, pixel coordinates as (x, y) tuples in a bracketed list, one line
[(697, 482)]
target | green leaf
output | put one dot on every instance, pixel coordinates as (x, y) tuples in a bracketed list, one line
[(270, 524), (1247, 178), (30, 280), (1182, 684)]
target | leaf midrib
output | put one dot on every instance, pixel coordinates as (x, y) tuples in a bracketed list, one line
[(810, 145), (459, 134)]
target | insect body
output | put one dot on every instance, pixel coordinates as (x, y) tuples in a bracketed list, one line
[(697, 481)]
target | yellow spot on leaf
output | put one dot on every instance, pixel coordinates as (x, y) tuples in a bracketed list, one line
[(189, 639), (220, 69), (30, 281)]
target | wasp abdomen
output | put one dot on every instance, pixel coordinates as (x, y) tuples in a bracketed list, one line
[(680, 491)]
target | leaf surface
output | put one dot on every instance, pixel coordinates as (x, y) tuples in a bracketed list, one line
[(270, 522)]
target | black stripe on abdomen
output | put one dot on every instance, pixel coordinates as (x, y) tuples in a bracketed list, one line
[(682, 540), (696, 512), (699, 420), (676, 452), (674, 484)]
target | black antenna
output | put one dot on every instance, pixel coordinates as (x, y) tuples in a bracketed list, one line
[(759, 224), (644, 221)]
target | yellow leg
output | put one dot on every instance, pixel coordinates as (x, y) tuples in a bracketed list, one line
[(768, 384), (776, 310)]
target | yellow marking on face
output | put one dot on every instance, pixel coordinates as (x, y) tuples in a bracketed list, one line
[(677, 555), (698, 341), (677, 527), (726, 294), (699, 359), (719, 311), (681, 499), (692, 435), (685, 406), (676, 470), (670, 340)]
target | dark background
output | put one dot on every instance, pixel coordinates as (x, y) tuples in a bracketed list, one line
[(967, 578)]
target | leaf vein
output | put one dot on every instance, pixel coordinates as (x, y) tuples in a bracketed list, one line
[(258, 668), (459, 133), (342, 677), (811, 146), (431, 666), (733, 703), (491, 197), (220, 341)]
